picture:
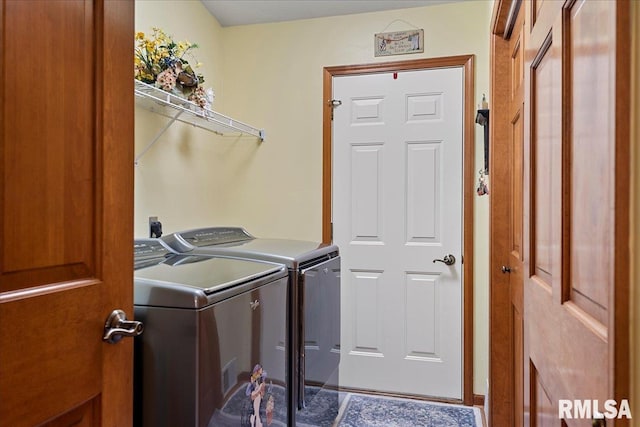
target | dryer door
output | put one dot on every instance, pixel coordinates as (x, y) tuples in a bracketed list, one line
[(320, 340)]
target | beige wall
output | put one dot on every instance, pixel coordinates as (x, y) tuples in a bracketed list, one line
[(270, 76), (165, 175)]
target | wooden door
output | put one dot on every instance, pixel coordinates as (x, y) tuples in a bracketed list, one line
[(576, 202), (506, 204), (66, 185), (397, 208)]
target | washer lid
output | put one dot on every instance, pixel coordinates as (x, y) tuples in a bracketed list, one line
[(185, 281)]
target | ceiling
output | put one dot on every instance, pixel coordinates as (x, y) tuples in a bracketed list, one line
[(243, 12)]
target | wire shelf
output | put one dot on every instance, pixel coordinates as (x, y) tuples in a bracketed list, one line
[(176, 108)]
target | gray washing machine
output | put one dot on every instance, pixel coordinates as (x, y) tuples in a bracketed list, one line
[(214, 350), (314, 307)]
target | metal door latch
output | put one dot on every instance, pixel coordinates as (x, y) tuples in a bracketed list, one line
[(448, 260), (117, 326)]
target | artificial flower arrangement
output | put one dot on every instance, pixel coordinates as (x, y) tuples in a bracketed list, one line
[(160, 61)]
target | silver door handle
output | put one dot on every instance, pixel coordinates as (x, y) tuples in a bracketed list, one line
[(117, 326), (448, 260)]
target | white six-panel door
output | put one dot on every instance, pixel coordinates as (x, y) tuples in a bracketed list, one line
[(397, 206)]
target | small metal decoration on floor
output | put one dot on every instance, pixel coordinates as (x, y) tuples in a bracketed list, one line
[(483, 188)]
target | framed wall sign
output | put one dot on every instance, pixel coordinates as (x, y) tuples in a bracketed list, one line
[(399, 42)]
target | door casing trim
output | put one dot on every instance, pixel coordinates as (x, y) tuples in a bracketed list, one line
[(467, 64)]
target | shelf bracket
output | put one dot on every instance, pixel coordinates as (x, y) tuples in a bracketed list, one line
[(158, 135)]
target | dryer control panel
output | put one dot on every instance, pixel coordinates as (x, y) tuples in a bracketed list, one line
[(215, 236)]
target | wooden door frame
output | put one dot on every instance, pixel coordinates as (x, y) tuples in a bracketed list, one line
[(466, 62), (501, 334)]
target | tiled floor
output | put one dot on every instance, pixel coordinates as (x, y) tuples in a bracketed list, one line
[(356, 410)]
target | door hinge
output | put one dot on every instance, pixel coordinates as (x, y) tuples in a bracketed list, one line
[(332, 231), (333, 103)]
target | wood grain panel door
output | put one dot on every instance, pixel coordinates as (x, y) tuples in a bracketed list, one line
[(66, 184), (576, 201), (514, 269), (507, 156)]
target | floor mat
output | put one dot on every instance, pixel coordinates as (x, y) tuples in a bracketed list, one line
[(376, 411)]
